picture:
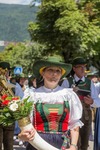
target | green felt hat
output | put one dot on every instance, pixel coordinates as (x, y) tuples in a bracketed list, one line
[(57, 61), (78, 61), (4, 65)]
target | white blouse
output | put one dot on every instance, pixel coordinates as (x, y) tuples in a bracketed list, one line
[(58, 95)]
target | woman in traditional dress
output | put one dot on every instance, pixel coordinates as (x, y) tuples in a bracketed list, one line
[(57, 110)]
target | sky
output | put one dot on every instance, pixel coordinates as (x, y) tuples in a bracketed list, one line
[(23, 2)]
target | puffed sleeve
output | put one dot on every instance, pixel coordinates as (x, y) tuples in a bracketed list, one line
[(75, 111), (29, 92)]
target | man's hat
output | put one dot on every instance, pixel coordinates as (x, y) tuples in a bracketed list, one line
[(92, 73), (78, 61), (4, 65), (57, 61)]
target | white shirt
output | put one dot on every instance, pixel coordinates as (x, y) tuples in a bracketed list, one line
[(97, 85)]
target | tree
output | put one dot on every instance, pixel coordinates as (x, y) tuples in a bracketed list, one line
[(65, 27), (91, 9), (22, 54)]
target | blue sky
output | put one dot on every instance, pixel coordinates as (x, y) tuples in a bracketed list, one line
[(23, 2)]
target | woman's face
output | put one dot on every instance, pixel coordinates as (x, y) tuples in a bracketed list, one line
[(51, 76)]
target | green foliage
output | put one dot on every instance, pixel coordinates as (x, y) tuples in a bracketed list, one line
[(23, 54), (14, 22), (62, 26), (66, 27), (8, 116)]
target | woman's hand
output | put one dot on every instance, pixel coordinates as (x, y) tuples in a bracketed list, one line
[(27, 135)]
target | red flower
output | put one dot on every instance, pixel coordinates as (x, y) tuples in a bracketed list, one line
[(5, 103), (4, 97), (15, 98)]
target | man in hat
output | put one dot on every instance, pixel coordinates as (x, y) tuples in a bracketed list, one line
[(87, 93), (6, 132), (94, 75), (55, 107)]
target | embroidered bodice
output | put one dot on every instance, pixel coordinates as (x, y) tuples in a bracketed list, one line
[(51, 117)]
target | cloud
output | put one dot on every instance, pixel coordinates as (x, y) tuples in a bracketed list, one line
[(23, 2)]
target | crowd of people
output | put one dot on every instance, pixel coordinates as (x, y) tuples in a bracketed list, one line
[(66, 99)]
